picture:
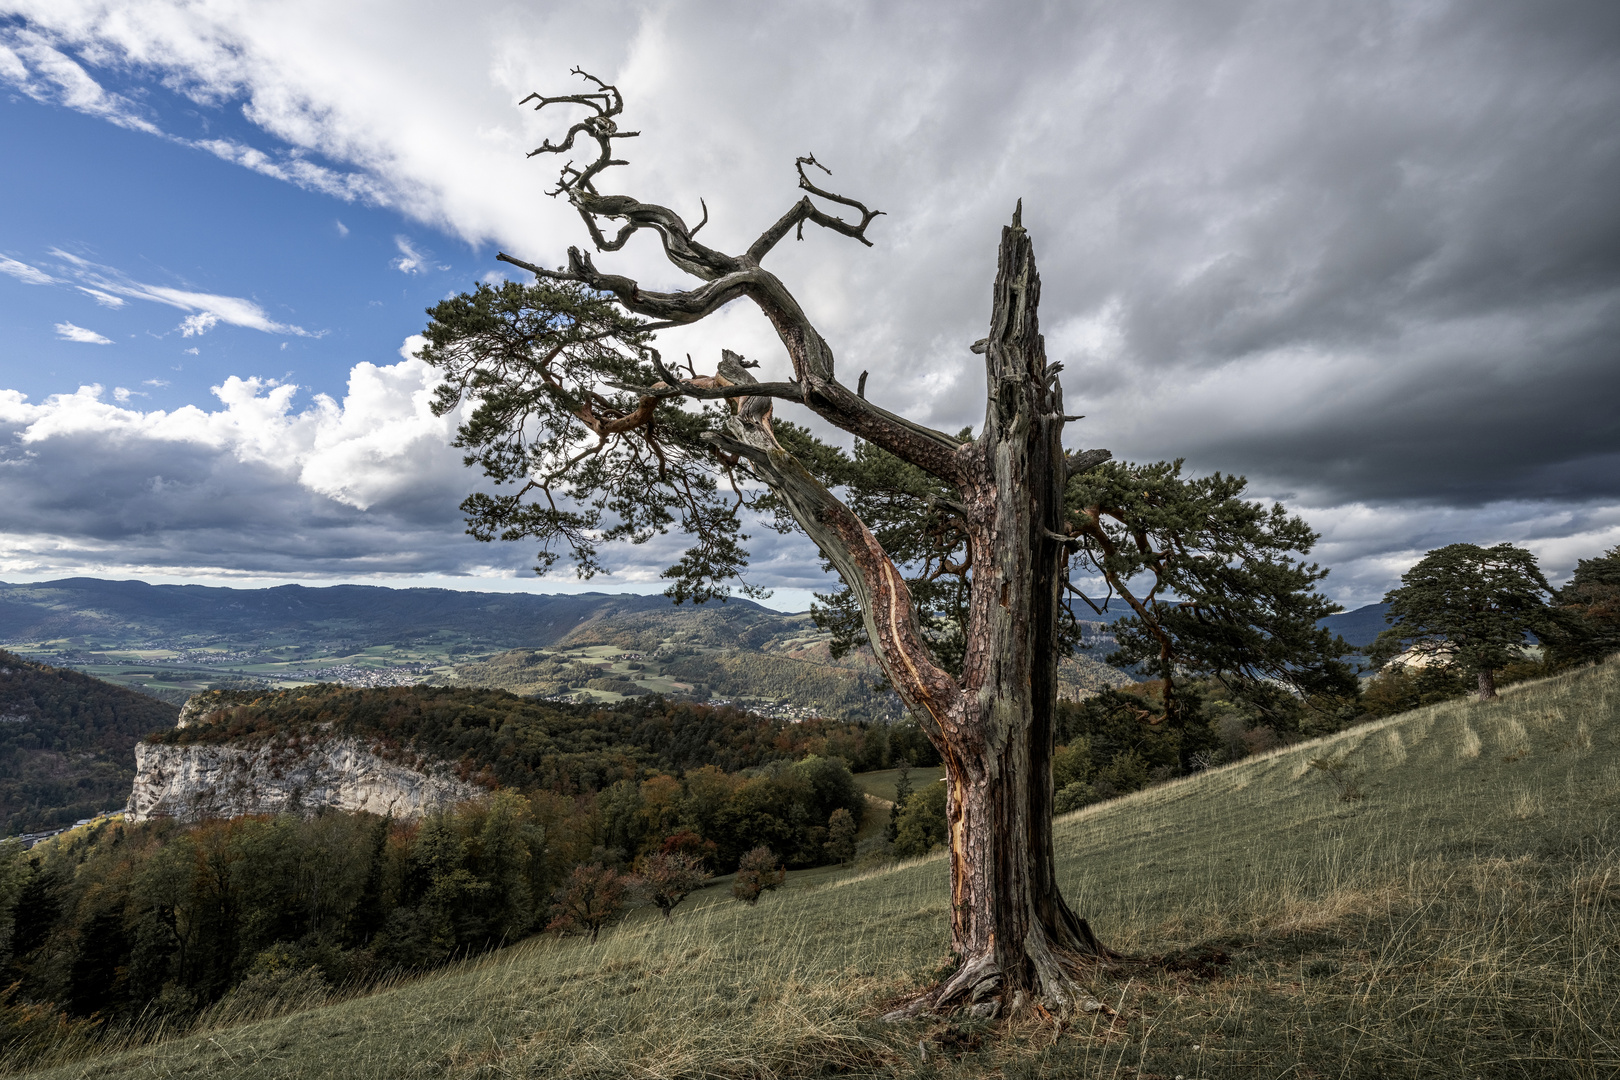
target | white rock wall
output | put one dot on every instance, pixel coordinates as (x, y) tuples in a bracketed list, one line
[(196, 782)]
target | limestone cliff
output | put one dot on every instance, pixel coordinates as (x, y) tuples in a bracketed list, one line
[(194, 782)]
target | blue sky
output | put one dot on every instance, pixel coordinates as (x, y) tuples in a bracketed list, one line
[(148, 211), (1369, 256)]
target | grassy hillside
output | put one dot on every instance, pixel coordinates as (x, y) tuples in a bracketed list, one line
[(67, 744), (1457, 915)]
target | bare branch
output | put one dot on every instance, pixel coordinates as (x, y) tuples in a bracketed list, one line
[(806, 210), (1085, 460), (884, 598)]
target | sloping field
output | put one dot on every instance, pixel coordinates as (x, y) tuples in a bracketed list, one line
[(1442, 900)]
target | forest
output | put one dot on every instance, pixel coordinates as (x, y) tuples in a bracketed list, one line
[(66, 743)]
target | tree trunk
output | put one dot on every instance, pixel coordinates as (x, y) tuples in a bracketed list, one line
[(1487, 684), (1016, 937), (1010, 923)]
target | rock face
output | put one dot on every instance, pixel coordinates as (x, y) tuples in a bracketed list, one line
[(194, 782)]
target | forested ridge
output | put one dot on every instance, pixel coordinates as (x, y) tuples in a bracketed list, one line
[(118, 920), (499, 739), (66, 743)]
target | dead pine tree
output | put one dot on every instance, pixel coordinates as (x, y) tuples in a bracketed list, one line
[(578, 412)]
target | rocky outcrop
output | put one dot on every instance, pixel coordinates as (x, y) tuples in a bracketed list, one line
[(193, 782)]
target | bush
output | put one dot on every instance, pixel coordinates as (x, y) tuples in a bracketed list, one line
[(1072, 763), (921, 826), (757, 874), (1073, 797)]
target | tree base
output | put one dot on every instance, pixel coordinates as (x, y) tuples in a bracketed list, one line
[(979, 989)]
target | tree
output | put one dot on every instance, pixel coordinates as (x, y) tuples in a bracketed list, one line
[(1587, 612), (1465, 607), (668, 877), (757, 874), (1213, 583), (902, 792), (953, 549), (922, 824), (841, 829), (593, 898)]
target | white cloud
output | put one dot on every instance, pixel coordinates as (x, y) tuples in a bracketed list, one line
[(28, 275), (198, 324), (154, 382), (209, 308), (342, 229), (366, 484), (411, 261), (105, 299), (69, 332), (190, 352), (32, 63)]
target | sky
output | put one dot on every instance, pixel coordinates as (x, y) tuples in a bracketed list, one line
[(1365, 254)]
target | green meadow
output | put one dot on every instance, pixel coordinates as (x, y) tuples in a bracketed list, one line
[(1439, 895)]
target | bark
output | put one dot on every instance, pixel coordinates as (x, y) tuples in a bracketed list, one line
[(1487, 684), (1010, 921)]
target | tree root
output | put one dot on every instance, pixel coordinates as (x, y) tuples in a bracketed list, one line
[(977, 988)]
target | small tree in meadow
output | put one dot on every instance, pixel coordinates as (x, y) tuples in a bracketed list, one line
[(669, 877), (757, 874), (840, 845), (593, 898)]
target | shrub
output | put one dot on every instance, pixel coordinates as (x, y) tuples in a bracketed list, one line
[(1073, 797), (1340, 774), (1071, 763), (757, 874)]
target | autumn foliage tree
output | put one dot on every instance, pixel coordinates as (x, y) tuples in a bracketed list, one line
[(757, 874), (668, 877), (593, 898), (954, 549)]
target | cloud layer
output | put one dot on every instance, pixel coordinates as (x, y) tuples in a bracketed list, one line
[(255, 485), (1368, 255)]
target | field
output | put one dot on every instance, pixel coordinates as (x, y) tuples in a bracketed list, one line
[(1440, 896)]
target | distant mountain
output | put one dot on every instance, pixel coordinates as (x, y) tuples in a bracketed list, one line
[(1359, 627), (67, 744), (174, 640), (93, 612)]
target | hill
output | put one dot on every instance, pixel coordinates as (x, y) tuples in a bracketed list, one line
[(1358, 627), (67, 744), (1440, 897)]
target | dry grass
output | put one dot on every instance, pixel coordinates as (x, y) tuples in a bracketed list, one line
[(1461, 918)]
